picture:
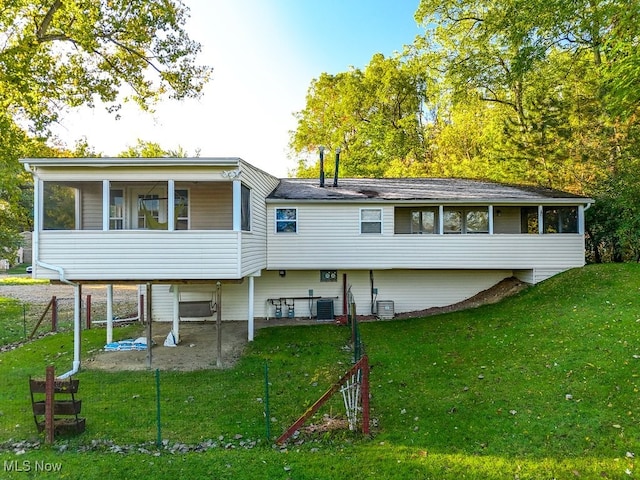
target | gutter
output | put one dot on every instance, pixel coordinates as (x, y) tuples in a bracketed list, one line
[(76, 310)]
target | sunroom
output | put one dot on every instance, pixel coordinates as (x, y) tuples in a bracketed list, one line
[(117, 219)]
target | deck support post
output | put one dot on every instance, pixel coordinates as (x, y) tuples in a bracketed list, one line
[(250, 327), (109, 313)]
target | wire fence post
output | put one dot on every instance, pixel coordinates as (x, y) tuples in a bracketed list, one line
[(267, 415), (158, 417), (54, 314)]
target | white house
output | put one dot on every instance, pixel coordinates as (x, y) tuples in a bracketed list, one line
[(277, 247)]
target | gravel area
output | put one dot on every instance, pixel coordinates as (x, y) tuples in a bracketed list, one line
[(39, 293)]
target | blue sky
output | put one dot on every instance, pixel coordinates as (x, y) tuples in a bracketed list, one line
[(265, 54)]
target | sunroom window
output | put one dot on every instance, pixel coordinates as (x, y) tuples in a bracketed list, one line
[(466, 220), (560, 219), (116, 209), (423, 221), (59, 208), (182, 209)]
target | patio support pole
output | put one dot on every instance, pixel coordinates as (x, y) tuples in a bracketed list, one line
[(250, 315), (219, 324), (77, 330), (176, 313), (149, 337), (109, 313)]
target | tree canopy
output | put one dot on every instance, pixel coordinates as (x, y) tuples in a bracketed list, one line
[(542, 92)]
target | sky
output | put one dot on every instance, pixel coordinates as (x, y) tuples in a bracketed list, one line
[(264, 55)]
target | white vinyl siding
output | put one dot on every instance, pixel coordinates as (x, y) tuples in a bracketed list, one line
[(253, 253), (91, 206), (343, 247), (140, 254), (410, 290), (210, 205)]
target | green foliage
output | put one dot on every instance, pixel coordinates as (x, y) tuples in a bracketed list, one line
[(72, 53), (614, 220), (533, 92), (144, 149), (542, 385), (375, 116)]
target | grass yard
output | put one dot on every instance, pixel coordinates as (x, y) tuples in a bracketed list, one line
[(542, 385)]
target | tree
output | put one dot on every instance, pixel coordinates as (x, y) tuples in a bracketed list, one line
[(57, 55), (144, 149), (73, 53), (376, 116)]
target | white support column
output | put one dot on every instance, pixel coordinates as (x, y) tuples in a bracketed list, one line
[(176, 313), (490, 219), (581, 219), (540, 219), (78, 210), (237, 206), (441, 220), (109, 313), (171, 205), (250, 313), (38, 188), (77, 331), (106, 204)]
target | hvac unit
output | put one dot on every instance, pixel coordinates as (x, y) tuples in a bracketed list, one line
[(324, 309), (384, 309)]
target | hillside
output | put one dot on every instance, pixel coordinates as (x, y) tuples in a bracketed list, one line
[(541, 385)]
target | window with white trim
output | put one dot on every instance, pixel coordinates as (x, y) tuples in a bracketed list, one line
[(370, 220), (181, 201), (286, 220), (116, 209)]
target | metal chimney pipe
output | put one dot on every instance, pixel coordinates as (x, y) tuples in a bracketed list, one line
[(321, 167), (335, 173)]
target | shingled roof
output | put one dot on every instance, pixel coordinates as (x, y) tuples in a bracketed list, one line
[(413, 189)]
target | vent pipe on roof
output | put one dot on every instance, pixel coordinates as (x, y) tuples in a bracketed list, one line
[(321, 166), (335, 172)]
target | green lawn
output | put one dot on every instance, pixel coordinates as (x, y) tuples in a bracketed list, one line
[(542, 385)]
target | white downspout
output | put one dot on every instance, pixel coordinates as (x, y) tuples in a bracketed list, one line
[(37, 193)]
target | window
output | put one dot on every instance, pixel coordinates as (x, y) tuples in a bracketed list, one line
[(423, 221), (116, 209), (149, 212), (59, 207), (371, 220), (182, 209), (560, 219), (245, 208), (466, 220), (477, 221), (452, 221), (286, 220), (529, 220)]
